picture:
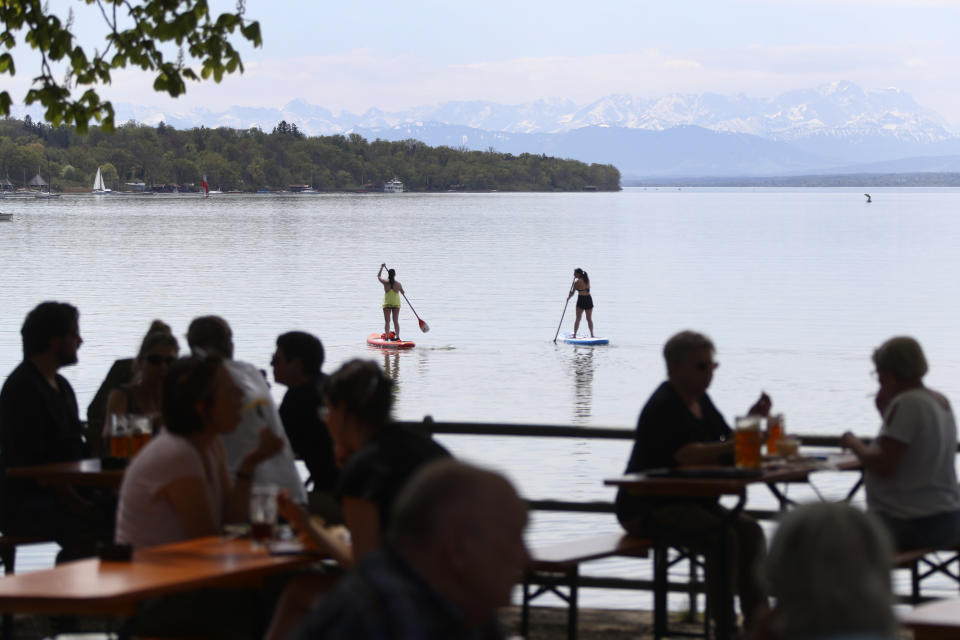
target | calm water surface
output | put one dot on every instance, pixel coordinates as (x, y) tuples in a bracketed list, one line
[(796, 287)]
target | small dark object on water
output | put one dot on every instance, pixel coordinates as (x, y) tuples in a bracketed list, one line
[(868, 198)]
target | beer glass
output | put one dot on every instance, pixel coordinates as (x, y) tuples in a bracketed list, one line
[(747, 437)]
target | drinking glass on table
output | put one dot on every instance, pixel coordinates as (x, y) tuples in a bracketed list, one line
[(775, 433), (140, 428), (263, 512), (119, 436), (747, 439)]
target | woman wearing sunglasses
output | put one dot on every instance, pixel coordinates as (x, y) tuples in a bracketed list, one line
[(158, 351)]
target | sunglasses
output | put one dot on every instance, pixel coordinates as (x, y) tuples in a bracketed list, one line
[(707, 366), (154, 358)]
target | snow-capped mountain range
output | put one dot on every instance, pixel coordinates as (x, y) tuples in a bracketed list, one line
[(810, 130)]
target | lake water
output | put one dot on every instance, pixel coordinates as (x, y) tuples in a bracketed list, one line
[(796, 287)]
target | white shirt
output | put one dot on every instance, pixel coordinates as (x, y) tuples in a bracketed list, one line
[(259, 411), (146, 518), (925, 481)]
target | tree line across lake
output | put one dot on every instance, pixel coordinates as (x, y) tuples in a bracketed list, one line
[(251, 159)]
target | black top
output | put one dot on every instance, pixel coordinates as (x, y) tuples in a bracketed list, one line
[(664, 427), (308, 434), (379, 470), (38, 425), (384, 598)]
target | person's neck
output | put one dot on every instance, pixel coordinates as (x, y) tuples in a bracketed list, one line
[(690, 398), (48, 366), (202, 439), (299, 379), (438, 576)]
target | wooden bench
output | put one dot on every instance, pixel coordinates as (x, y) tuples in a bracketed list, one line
[(923, 563), (555, 569)]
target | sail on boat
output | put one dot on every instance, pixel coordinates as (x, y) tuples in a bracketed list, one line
[(98, 186)]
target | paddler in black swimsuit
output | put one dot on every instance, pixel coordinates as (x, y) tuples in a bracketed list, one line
[(581, 285)]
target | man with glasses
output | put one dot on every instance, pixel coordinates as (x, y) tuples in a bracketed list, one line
[(679, 425)]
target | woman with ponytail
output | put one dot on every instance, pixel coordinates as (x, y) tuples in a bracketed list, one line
[(375, 456), (581, 285), (391, 302)]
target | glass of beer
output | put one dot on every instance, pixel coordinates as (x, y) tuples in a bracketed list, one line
[(119, 437), (140, 432), (775, 433), (747, 440), (263, 513)]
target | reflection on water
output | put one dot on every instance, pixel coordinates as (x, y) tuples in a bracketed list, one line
[(583, 370)]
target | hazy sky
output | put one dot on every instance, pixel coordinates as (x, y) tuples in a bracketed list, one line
[(357, 55)]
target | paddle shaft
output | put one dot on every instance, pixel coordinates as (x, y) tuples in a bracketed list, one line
[(411, 306), (423, 325), (561, 317)]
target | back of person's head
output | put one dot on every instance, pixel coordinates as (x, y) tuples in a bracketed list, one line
[(682, 344), (188, 385), (829, 569), (302, 346), (363, 389), (580, 273), (210, 335), (46, 321), (438, 492), (902, 358), (462, 528)]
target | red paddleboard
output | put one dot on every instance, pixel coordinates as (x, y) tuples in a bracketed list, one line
[(377, 340)]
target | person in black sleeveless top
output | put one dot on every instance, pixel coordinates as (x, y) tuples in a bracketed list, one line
[(581, 286)]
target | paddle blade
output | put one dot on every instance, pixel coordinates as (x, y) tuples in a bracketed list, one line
[(424, 326)]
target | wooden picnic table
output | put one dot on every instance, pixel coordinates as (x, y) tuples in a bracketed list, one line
[(717, 481), (82, 473), (95, 587)]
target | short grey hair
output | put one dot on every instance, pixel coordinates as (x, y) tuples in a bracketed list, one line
[(683, 344), (902, 358), (829, 569)]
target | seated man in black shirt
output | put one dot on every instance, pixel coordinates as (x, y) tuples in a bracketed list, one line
[(680, 425), (39, 424), (296, 364), (453, 553)]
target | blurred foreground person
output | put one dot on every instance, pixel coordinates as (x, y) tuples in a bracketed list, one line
[(680, 425), (910, 478), (829, 571), (211, 335), (453, 553), (39, 424), (179, 487)]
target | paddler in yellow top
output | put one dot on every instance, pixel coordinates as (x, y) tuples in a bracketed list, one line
[(391, 302)]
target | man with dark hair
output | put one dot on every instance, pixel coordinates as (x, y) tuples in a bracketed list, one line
[(296, 364), (40, 424), (211, 335), (454, 552)]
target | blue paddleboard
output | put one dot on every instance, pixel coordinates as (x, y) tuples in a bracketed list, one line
[(583, 340)]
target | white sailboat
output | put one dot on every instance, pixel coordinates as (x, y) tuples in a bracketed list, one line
[(98, 187)]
